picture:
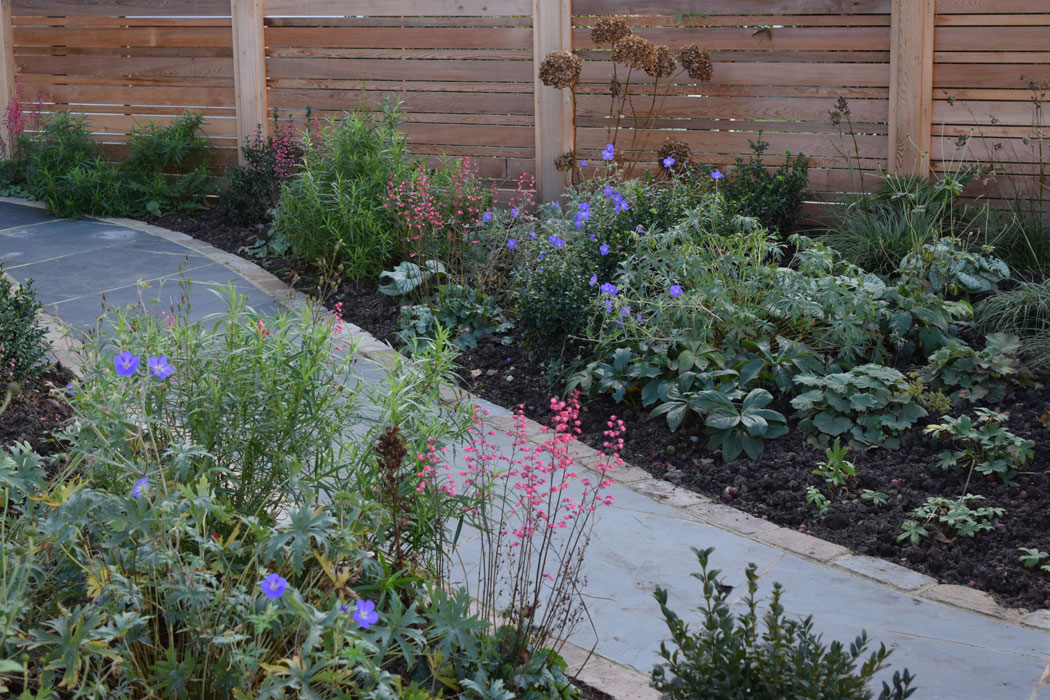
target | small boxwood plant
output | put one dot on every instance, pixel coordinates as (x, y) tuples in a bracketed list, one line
[(22, 346), (870, 406), (737, 655)]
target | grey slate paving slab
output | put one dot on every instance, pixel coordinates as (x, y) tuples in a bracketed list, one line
[(637, 544), (20, 215)]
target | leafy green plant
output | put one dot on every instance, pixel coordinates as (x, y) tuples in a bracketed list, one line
[(931, 399), (333, 211), (869, 405), (818, 500), (745, 428), (971, 375), (949, 267), (1032, 558), (470, 316), (773, 197), (950, 517), (168, 168), (408, 277), (1023, 311), (23, 349), (878, 498), (983, 445), (740, 655), (836, 471)]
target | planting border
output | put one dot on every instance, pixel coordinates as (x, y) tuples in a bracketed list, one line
[(607, 675)]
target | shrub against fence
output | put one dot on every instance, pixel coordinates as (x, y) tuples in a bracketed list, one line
[(959, 80)]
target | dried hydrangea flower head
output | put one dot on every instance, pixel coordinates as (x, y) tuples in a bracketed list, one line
[(675, 149), (664, 64), (634, 52), (609, 30), (697, 62), (564, 162), (561, 69)]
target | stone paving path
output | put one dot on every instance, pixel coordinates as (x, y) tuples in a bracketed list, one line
[(641, 542)]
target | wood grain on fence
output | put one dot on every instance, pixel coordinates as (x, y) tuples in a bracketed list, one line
[(844, 82)]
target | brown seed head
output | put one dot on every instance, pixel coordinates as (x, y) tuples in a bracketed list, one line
[(677, 149), (561, 69), (634, 52), (564, 161), (663, 64), (697, 62), (609, 30)]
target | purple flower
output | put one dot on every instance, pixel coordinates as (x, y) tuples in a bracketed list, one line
[(594, 280), (585, 207), (607, 191), (532, 235), (273, 586), (125, 363), (512, 244), (608, 288), (639, 228), (542, 257), (344, 607), (625, 311), (486, 217), (608, 305), (139, 489), (609, 152), (555, 241), (583, 164), (717, 175), (594, 238), (675, 291), (621, 205), (71, 389), (159, 367), (365, 613), (514, 211), (604, 249), (668, 161), (639, 318), (555, 204)]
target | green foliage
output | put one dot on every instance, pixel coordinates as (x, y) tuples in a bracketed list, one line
[(554, 307), (408, 277), (745, 428), (773, 198), (333, 211), (932, 400), (984, 445), (168, 168), (869, 405), (836, 471), (469, 315), (950, 517), (1032, 557), (23, 349), (818, 500), (949, 268), (738, 655), (977, 376), (253, 187), (1023, 311)]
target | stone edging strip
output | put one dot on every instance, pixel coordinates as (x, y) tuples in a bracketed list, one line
[(620, 681)]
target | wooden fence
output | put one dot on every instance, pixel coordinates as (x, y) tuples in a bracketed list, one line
[(929, 84)]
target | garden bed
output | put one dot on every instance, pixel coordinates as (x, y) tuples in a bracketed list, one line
[(35, 412), (774, 487)]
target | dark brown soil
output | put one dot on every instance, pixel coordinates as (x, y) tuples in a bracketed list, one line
[(36, 411), (590, 693), (774, 487)]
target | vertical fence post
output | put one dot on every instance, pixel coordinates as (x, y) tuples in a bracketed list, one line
[(249, 68), (7, 69), (551, 31), (911, 86)]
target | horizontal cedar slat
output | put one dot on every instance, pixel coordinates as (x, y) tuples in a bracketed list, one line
[(779, 74), (991, 39), (419, 102), (772, 108), (709, 20), (115, 66), (730, 7), (145, 95), (1005, 75), (989, 7), (386, 69), (398, 7), (120, 7), (784, 38), (135, 36), (385, 37)]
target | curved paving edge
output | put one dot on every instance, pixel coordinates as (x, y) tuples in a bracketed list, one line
[(605, 674)]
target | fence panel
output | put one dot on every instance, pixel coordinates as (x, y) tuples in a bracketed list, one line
[(462, 72), (780, 67), (171, 57), (991, 86)]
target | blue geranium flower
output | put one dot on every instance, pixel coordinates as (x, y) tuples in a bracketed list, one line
[(593, 280), (365, 613), (608, 288), (159, 367), (668, 161), (139, 489), (512, 244), (274, 586), (486, 217), (675, 291), (609, 153), (604, 249), (717, 175), (126, 363)]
